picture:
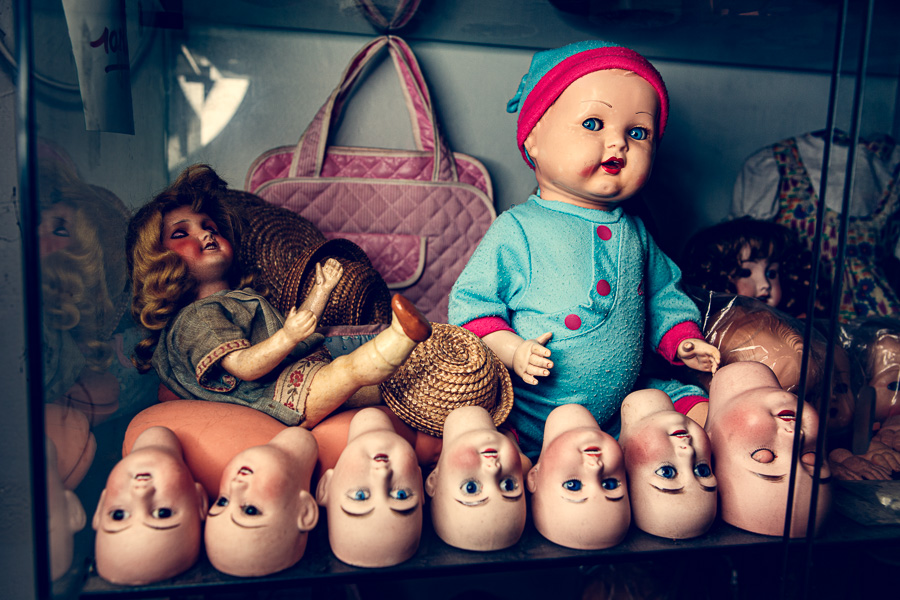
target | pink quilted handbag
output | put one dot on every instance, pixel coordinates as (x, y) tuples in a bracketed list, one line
[(418, 214)]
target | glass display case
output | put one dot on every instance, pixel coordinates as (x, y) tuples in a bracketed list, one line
[(91, 136)]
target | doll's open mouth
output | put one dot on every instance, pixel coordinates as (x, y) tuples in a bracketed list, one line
[(245, 471), (381, 458), (211, 246), (681, 433), (592, 451), (143, 477), (612, 165), (489, 453), (787, 415)]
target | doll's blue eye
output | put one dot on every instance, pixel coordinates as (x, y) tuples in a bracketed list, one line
[(638, 133), (119, 515), (161, 513), (251, 511), (667, 472), (471, 487), (223, 501), (508, 485), (572, 485), (593, 124), (702, 470), (772, 274), (610, 484), (401, 494), (360, 494)]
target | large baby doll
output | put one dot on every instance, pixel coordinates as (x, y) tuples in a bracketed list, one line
[(211, 340), (568, 272)]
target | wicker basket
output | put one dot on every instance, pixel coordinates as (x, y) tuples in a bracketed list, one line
[(452, 368)]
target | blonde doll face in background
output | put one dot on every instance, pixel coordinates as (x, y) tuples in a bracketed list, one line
[(594, 147), (757, 279), (54, 232)]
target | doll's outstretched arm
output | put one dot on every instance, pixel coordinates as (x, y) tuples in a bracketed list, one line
[(527, 358), (699, 355), (327, 278), (252, 363)]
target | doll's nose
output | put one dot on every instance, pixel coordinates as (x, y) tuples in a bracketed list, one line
[(592, 460)]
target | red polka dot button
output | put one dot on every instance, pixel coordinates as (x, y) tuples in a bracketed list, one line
[(603, 232), (603, 287), (573, 322)]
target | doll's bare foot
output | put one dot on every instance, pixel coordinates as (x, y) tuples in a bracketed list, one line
[(413, 323)]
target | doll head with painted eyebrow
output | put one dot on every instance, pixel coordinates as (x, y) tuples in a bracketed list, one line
[(149, 516), (668, 459), (476, 489), (578, 485), (373, 495), (751, 427)]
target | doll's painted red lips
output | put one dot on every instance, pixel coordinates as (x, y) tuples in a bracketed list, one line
[(381, 458), (681, 433), (489, 453), (592, 451), (143, 477), (787, 415), (613, 165), (245, 471)]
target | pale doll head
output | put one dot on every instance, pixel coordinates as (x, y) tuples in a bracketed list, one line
[(751, 426), (579, 491), (65, 517), (590, 117), (756, 333), (260, 522), (373, 495), (668, 459), (149, 517), (477, 490)]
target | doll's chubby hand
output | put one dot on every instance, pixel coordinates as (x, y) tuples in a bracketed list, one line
[(530, 359), (849, 467), (699, 355), (299, 324)]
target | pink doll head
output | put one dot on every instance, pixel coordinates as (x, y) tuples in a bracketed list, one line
[(579, 492), (65, 517), (751, 427), (373, 495), (590, 117), (668, 459), (260, 522), (148, 520), (476, 489)]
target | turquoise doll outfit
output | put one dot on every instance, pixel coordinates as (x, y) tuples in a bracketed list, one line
[(598, 282)]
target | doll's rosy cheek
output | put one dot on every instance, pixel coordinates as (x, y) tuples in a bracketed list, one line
[(183, 247), (464, 458)]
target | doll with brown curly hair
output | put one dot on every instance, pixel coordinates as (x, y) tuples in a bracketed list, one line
[(212, 340), (759, 259)]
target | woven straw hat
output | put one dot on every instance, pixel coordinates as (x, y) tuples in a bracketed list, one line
[(282, 248), (450, 369)]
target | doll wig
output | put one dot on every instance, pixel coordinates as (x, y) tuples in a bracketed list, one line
[(84, 282), (711, 259), (161, 283)]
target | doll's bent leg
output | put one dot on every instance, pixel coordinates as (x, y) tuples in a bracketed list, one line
[(370, 364)]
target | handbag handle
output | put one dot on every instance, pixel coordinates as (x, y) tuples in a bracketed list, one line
[(309, 155)]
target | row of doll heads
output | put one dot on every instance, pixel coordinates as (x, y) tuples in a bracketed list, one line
[(583, 492)]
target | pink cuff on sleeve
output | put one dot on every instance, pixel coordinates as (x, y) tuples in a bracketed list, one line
[(668, 346), (485, 325), (684, 405)]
